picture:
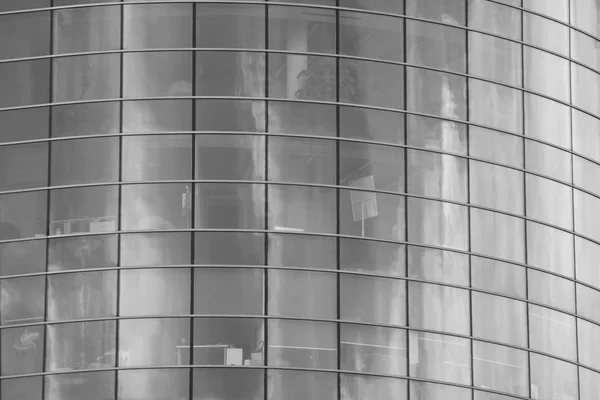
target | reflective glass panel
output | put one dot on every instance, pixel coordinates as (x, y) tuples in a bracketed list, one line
[(157, 26), (24, 124), (551, 378), (216, 384), (501, 368), (155, 384), (493, 58), (371, 36), (22, 349), (228, 25), (508, 323), (229, 248), (86, 29), (362, 387), (156, 206), (435, 45), (370, 299), (301, 30), (552, 332), (302, 209), (229, 291), (159, 115), (23, 166), (16, 389), (304, 294), (300, 385), (497, 106), (157, 157), (89, 385), (237, 157), (233, 74), (302, 160), (24, 212), (229, 206), (25, 82), (439, 308), (25, 34), (86, 77), (85, 119), (157, 74), (372, 257)]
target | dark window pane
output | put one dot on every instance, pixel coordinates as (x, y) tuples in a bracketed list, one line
[(84, 161), (301, 385), (380, 126), (147, 158), (370, 299), (302, 160), (228, 341), (229, 206), (230, 115), (301, 30), (86, 29), (22, 388), (216, 384), (231, 26), (371, 36), (159, 115), (230, 74), (25, 212), (87, 385), (85, 119), (26, 124), (295, 118), (23, 166), (228, 291), (24, 35), (25, 82), (363, 387), (155, 384), (22, 350), (372, 83), (303, 294), (302, 251), (236, 157), (11, 5), (447, 11), (229, 248), (20, 257), (307, 77), (436, 46), (372, 257)]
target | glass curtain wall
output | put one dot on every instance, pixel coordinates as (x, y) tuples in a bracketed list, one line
[(316, 199)]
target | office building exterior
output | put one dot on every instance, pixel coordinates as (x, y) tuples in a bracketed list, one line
[(300, 199)]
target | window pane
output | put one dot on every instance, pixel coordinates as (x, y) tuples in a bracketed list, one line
[(373, 349), (303, 294), (496, 276), (501, 368), (589, 343), (584, 15), (449, 11), (22, 300), (309, 77), (497, 235), (438, 265), (550, 248), (25, 212), (372, 83), (587, 299), (153, 384), (81, 346), (85, 119), (424, 87), (586, 254), (586, 207), (229, 206), (86, 77), (157, 291), (228, 291), (216, 384), (302, 160), (546, 73), (24, 35), (497, 187), (371, 36), (376, 125), (583, 83), (496, 146), (547, 160), (589, 384), (547, 120), (382, 166), (157, 206), (391, 6), (157, 26), (553, 378), (155, 249), (25, 124), (585, 49), (551, 290), (302, 209), (370, 299), (159, 115), (494, 58), (232, 26), (157, 74), (302, 344), (22, 349), (436, 46), (89, 385), (19, 388), (86, 29), (147, 342), (294, 118), (23, 166), (552, 332), (20, 257), (300, 385), (437, 175), (438, 307), (231, 74), (545, 33), (509, 324), (11, 5), (372, 257), (495, 18), (229, 248), (233, 115), (437, 223), (556, 9), (301, 30), (362, 387), (367, 214), (228, 341), (497, 106), (157, 157), (236, 157), (428, 391), (438, 357), (302, 251), (24, 83), (84, 161), (547, 201)]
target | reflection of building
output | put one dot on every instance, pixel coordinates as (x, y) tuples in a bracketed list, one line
[(345, 200)]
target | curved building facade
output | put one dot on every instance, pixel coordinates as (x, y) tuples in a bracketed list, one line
[(300, 200)]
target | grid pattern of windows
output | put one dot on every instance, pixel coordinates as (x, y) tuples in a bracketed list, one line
[(299, 199)]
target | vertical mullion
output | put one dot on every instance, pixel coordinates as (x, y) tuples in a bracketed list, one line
[(48, 192), (337, 195), (523, 133), (573, 206), (192, 214), (265, 320), (468, 161), (119, 203), (405, 150)]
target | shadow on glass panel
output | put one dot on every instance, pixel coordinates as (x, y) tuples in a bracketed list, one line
[(228, 384), (229, 248), (439, 357), (158, 384), (362, 387), (80, 346), (372, 257), (159, 115), (303, 294), (86, 385), (228, 291), (148, 26), (85, 119), (148, 342), (84, 161), (228, 341), (302, 344), (370, 299), (156, 206), (22, 350), (301, 385), (22, 388), (156, 291), (86, 29), (373, 349), (82, 295), (235, 157)]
